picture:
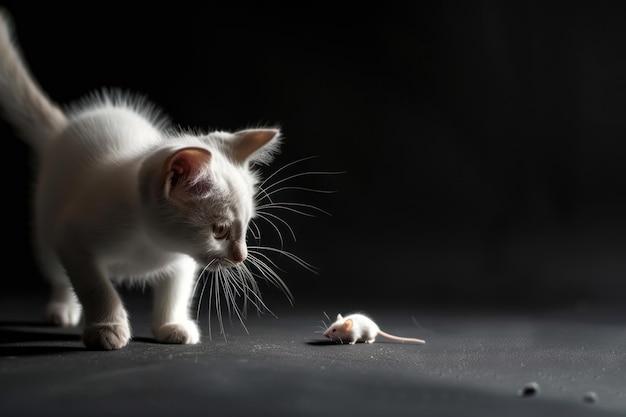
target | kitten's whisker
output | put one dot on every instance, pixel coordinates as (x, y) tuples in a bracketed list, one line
[(249, 283), (202, 272), (218, 304), (211, 262), (230, 276), (261, 195), (227, 294), (243, 279), (267, 258), (204, 279), (301, 174), (257, 294), (287, 206), (271, 277), (252, 225), (289, 255), (268, 274), (239, 290), (251, 296), (312, 190), (284, 167), (239, 279), (264, 216), (201, 277), (232, 297), (210, 301)]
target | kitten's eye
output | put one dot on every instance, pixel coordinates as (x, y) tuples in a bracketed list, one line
[(220, 231)]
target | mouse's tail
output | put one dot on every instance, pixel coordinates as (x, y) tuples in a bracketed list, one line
[(24, 105), (401, 339)]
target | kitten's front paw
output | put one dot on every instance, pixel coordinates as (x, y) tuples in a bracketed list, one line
[(63, 314), (107, 336), (180, 333)]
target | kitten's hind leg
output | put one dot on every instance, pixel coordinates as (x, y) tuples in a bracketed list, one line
[(171, 321), (63, 307)]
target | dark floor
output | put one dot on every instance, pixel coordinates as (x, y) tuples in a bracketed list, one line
[(472, 364)]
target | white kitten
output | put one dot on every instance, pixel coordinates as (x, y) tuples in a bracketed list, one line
[(119, 197)]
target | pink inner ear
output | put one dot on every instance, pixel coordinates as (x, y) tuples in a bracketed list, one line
[(348, 324), (188, 162), (183, 169)]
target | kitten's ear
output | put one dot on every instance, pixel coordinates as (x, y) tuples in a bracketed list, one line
[(255, 145), (185, 174)]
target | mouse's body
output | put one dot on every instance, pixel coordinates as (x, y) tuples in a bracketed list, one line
[(357, 327)]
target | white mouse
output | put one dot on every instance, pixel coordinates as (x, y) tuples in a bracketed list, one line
[(358, 327)]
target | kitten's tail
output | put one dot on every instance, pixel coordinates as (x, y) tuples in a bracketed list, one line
[(23, 103)]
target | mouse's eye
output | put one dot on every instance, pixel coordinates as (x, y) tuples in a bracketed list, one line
[(220, 231), (334, 330)]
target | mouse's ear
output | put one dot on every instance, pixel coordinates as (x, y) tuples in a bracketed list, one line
[(339, 317), (347, 325)]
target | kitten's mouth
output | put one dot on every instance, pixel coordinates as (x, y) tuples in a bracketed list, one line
[(219, 263), (212, 265)]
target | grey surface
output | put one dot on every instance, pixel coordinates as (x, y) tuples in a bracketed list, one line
[(474, 363)]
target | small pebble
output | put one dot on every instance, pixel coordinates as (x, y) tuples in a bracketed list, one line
[(590, 397), (528, 390)]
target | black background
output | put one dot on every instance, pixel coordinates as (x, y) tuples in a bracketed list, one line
[(482, 142)]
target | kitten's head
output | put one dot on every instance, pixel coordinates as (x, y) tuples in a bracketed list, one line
[(198, 200)]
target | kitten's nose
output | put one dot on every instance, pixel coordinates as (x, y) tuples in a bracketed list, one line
[(238, 254)]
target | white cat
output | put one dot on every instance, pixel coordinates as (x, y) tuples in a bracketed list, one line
[(121, 197)]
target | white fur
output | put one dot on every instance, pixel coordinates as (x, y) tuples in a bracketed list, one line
[(110, 208)]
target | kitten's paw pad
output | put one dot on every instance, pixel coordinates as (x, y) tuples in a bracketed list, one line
[(108, 336), (63, 314), (185, 333)]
